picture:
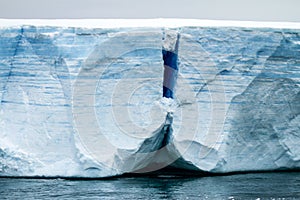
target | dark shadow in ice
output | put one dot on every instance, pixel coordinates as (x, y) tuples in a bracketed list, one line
[(160, 139)]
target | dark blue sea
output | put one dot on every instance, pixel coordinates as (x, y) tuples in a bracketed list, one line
[(283, 185)]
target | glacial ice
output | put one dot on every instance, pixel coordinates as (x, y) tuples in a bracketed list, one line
[(87, 101)]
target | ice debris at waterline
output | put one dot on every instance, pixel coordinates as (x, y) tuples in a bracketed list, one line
[(88, 98)]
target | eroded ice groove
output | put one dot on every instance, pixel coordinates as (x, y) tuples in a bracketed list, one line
[(87, 102), (158, 151)]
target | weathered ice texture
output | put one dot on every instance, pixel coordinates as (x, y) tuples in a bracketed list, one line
[(88, 102)]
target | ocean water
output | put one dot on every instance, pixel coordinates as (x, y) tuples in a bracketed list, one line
[(281, 185)]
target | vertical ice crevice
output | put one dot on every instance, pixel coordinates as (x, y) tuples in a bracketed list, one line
[(170, 58)]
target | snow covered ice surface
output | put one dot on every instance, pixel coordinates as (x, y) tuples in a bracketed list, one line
[(84, 98)]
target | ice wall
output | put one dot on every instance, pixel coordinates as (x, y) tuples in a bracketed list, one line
[(88, 102)]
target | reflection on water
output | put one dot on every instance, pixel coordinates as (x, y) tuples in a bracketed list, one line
[(244, 186)]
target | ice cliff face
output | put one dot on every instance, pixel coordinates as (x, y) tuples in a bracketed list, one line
[(88, 102)]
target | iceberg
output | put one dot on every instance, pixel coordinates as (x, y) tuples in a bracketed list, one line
[(100, 98)]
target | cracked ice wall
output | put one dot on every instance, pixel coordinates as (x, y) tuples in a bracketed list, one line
[(88, 101)]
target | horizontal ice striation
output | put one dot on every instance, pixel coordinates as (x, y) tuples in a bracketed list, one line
[(88, 102)]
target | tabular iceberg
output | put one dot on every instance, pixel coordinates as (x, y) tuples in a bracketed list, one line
[(96, 101)]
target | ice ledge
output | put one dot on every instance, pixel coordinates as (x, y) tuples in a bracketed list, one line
[(169, 23)]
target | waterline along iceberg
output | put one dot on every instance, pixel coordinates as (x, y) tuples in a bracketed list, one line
[(98, 98)]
